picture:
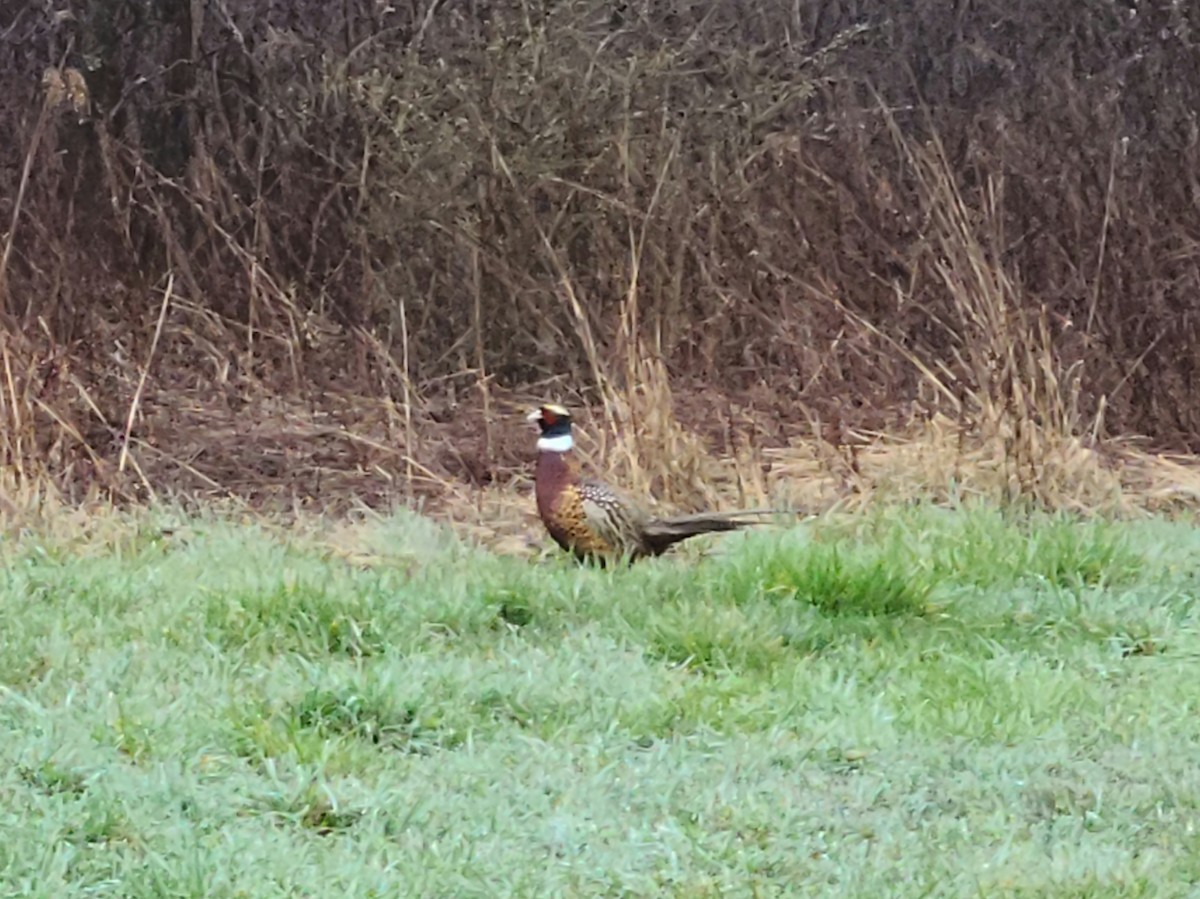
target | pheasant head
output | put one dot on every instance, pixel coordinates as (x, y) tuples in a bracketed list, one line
[(555, 424)]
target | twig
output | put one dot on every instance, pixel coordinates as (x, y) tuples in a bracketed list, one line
[(1100, 250), (26, 170)]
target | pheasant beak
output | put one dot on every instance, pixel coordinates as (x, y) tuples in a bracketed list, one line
[(549, 416)]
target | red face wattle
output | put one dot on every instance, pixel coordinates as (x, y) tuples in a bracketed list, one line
[(553, 420)]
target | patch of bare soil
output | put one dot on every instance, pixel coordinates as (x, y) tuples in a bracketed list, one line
[(469, 463)]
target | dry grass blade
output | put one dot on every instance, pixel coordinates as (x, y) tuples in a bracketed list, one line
[(141, 385)]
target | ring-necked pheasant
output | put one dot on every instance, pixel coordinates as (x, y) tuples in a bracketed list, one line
[(596, 521)]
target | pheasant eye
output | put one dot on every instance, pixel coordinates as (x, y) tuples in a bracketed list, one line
[(548, 416)]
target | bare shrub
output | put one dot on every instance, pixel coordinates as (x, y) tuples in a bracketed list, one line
[(419, 200)]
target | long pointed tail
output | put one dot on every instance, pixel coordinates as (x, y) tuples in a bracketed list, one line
[(662, 533)]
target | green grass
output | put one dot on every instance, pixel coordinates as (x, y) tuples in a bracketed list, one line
[(912, 703)]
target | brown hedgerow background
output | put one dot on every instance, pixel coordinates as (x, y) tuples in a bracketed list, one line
[(251, 241)]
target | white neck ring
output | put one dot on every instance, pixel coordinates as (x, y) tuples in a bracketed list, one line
[(560, 444)]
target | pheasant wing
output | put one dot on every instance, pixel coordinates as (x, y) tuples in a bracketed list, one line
[(613, 517)]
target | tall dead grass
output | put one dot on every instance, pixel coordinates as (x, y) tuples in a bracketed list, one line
[(997, 370)]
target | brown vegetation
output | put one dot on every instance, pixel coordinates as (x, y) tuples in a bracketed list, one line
[(297, 250)]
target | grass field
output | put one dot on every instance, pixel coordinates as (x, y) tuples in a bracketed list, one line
[(913, 703)]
